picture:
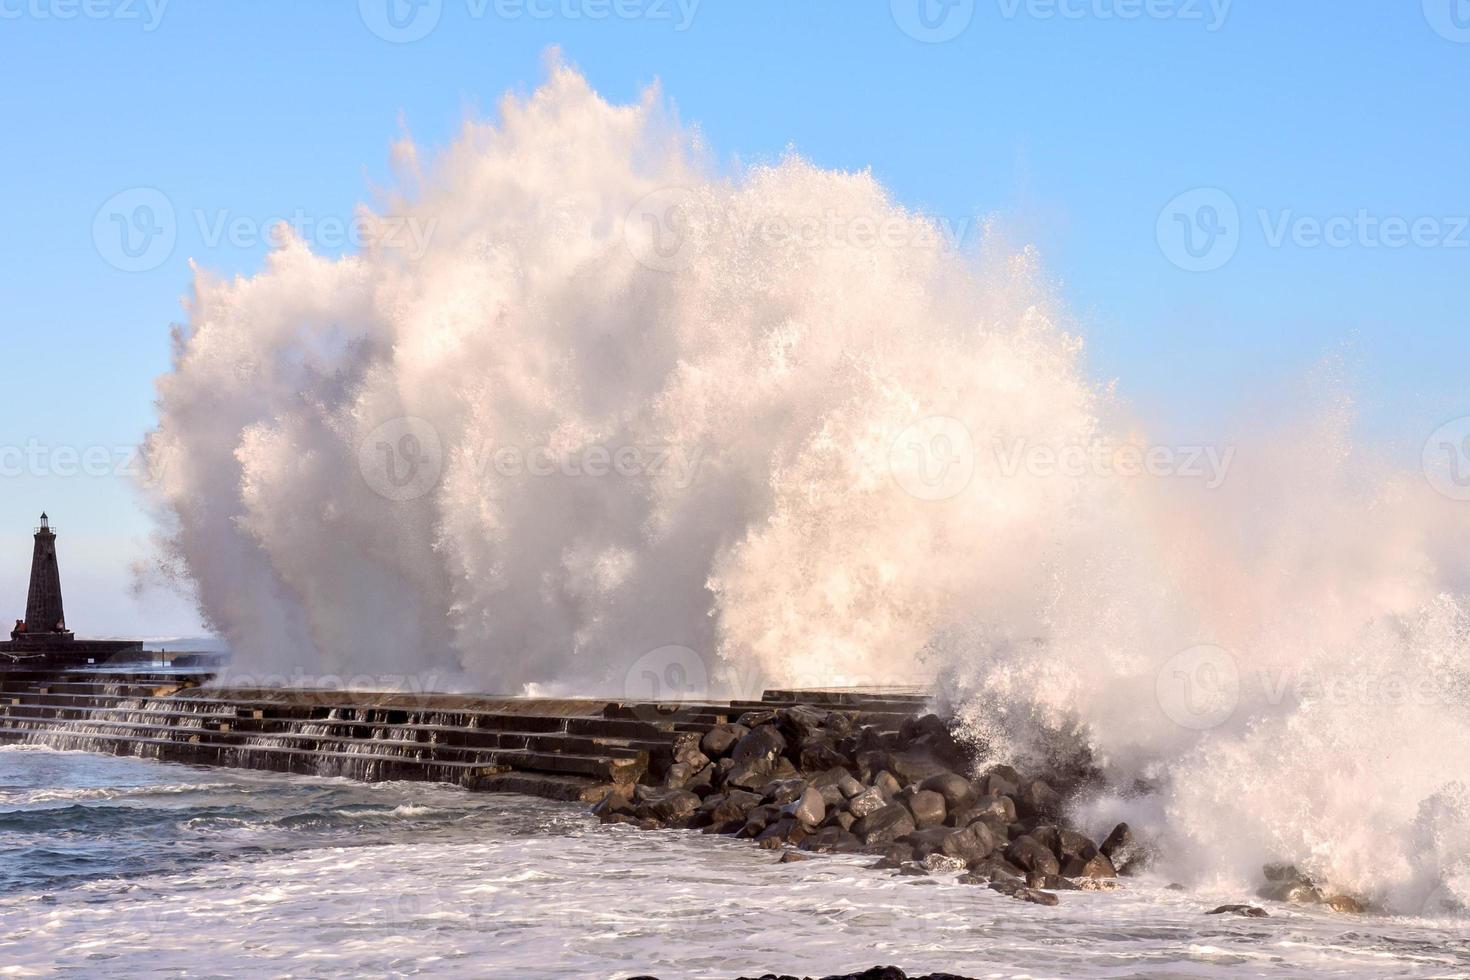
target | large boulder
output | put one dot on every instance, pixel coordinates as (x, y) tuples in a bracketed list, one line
[(1097, 866), (1038, 801), (1029, 854), (1001, 808), (664, 804), (718, 741), (957, 792), (1022, 893), (885, 825), (1127, 853), (810, 809), (1000, 780), (686, 750), (927, 808), (760, 744), (832, 840), (867, 802), (801, 721)]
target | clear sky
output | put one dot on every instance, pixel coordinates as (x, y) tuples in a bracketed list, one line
[(1076, 123)]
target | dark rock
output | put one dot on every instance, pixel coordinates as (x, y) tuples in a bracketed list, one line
[(1345, 904), (834, 776), (786, 830), (1054, 883), (966, 844), (791, 857), (664, 804), (896, 852), (679, 775), (914, 766), (1074, 845), (927, 808), (810, 810), (731, 806), (871, 800), (1097, 866), (1129, 855), (851, 786), (996, 866), (819, 752), (1019, 891), (762, 744), (1038, 801), (686, 751), (885, 825), (1000, 781), (782, 791), (753, 719), (1028, 853), (1003, 808), (1249, 911), (956, 789), (913, 871), (887, 784), (614, 803), (757, 819), (832, 796), (832, 840), (1294, 892), (718, 741), (1048, 836), (801, 721)]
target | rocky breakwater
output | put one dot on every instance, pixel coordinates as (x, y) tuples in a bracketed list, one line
[(806, 780)]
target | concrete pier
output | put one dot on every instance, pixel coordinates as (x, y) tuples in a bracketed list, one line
[(564, 749)]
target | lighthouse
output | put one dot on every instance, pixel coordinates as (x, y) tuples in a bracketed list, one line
[(45, 616), (42, 637)]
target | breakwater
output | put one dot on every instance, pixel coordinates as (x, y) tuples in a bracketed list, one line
[(557, 748)]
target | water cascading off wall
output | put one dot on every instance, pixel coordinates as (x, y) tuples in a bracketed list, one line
[(590, 395)]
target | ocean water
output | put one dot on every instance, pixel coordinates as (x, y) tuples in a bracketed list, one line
[(127, 867)]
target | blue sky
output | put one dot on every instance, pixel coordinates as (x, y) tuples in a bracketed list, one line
[(1075, 123)]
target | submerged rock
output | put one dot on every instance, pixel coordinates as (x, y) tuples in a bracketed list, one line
[(1249, 911)]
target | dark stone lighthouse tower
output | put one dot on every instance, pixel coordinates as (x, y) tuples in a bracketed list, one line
[(42, 639), (45, 616)]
